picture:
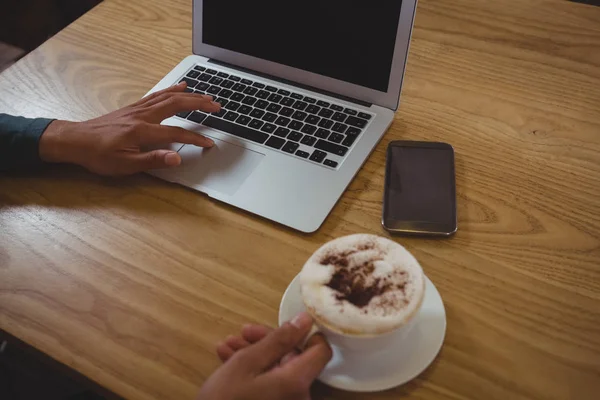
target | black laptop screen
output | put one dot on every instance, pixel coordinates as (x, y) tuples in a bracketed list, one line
[(352, 41)]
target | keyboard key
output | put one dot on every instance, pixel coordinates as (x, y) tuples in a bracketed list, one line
[(318, 156), (256, 124), (322, 103), (214, 90), (216, 80), (299, 105), (231, 116), (299, 115), (335, 107), (297, 96), (322, 133), (262, 94), (234, 78), (222, 101), (282, 121), (193, 74), (227, 84), (259, 85), (191, 83), (276, 98), (249, 100), (302, 154), (281, 131), (269, 128), (243, 120), (238, 87), (256, 113), (331, 147), (349, 140), (325, 123), (296, 125), (205, 77), (237, 97), (232, 105), (339, 117), (211, 71), (226, 93), (325, 113), (339, 128), (352, 131), (350, 111), (364, 115), (286, 111), (287, 101), (310, 100), (183, 114), (244, 109), (283, 92), (330, 163), (295, 136), (357, 122), (236, 130), (223, 75), (308, 140), (199, 68), (246, 81), (290, 147), (250, 90), (275, 142), (336, 138), (269, 117), (197, 117), (308, 129), (271, 88), (261, 104), (274, 107), (202, 86), (312, 109), (220, 113), (312, 119)]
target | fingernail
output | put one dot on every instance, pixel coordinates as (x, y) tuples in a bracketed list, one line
[(172, 159), (214, 103), (302, 320), (210, 142)]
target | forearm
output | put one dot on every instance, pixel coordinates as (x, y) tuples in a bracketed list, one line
[(20, 141)]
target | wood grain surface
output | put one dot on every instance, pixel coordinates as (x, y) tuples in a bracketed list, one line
[(132, 281)]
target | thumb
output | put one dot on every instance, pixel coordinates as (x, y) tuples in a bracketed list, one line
[(156, 159)]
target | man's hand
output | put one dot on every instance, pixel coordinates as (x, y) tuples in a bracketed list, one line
[(113, 144), (263, 364)]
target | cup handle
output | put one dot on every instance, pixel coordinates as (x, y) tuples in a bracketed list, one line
[(313, 330)]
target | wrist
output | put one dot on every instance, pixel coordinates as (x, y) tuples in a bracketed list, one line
[(54, 145)]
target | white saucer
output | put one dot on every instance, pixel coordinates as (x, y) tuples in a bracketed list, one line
[(387, 369)]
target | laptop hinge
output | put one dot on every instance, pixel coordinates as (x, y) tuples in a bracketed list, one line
[(291, 83)]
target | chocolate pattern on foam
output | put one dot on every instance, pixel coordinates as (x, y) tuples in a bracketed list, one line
[(355, 283)]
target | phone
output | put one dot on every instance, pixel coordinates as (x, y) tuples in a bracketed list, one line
[(420, 190)]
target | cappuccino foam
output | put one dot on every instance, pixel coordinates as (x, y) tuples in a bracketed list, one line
[(362, 284)]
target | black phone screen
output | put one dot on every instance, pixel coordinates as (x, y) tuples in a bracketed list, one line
[(420, 188)]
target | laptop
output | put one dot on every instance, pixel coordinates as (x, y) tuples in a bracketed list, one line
[(307, 89)]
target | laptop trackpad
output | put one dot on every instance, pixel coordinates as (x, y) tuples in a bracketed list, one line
[(222, 168)]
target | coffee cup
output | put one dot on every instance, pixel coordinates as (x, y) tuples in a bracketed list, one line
[(363, 292)]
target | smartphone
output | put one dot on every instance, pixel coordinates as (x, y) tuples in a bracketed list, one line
[(420, 191)]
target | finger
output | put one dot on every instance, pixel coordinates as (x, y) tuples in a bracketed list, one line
[(309, 365), (178, 103), (156, 159), (254, 333), (224, 351), (278, 343), (152, 135), (288, 357), (180, 87), (146, 107), (236, 343)]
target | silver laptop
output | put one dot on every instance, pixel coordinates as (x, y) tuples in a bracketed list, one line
[(308, 89)]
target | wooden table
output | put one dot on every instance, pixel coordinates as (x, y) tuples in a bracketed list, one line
[(132, 281)]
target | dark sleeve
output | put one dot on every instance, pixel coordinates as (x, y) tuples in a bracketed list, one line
[(19, 141)]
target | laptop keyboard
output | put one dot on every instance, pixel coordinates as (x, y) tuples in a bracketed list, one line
[(306, 127)]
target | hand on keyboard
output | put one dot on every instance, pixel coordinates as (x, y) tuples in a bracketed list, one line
[(112, 144)]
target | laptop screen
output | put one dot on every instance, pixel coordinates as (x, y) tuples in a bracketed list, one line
[(352, 41)]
